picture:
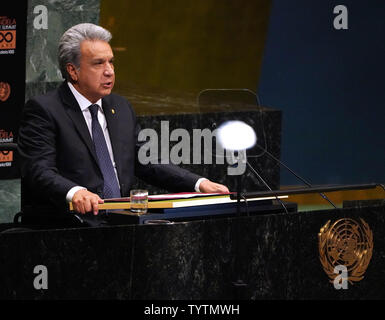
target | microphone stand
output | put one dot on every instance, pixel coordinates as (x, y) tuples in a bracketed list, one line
[(265, 183), (239, 284), (239, 180), (285, 166)]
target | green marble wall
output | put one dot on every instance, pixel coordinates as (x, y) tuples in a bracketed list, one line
[(9, 199), (42, 72)]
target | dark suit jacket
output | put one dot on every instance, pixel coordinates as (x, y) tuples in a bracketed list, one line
[(57, 151)]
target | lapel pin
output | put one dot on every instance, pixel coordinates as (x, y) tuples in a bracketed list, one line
[(113, 111)]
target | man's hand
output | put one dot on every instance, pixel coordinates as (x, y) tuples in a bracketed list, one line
[(84, 201), (209, 186)]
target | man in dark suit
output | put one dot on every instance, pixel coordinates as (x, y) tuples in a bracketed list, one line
[(79, 142)]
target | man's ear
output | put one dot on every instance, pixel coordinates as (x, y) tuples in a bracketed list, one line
[(72, 71)]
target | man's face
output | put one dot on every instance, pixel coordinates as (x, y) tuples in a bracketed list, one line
[(95, 77)]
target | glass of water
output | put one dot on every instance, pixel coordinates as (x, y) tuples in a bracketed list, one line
[(139, 201)]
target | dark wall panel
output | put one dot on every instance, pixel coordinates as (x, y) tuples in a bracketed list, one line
[(330, 85)]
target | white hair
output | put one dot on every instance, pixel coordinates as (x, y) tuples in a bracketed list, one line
[(69, 44)]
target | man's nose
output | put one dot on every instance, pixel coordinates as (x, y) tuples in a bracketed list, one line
[(109, 70)]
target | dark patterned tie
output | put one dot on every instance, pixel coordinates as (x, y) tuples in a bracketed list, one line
[(111, 187)]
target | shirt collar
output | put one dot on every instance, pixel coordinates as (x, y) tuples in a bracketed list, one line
[(83, 102)]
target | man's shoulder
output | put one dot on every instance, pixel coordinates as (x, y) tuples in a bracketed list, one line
[(49, 96), (116, 98), (118, 101)]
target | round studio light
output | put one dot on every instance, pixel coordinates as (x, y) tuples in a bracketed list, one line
[(236, 135)]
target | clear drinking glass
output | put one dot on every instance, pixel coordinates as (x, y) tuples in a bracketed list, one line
[(139, 201)]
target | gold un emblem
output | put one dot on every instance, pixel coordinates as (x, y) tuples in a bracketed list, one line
[(346, 243)]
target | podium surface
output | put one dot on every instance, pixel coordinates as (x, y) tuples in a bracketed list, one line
[(273, 256)]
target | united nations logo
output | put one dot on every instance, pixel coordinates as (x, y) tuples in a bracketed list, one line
[(346, 243), (5, 91)]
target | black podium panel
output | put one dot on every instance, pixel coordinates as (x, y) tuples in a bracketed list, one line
[(274, 256)]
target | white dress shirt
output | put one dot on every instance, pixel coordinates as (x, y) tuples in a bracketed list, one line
[(84, 103)]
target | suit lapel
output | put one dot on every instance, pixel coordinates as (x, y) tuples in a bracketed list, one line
[(112, 116), (74, 112)]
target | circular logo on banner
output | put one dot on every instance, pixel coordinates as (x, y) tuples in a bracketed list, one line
[(5, 91), (348, 243)]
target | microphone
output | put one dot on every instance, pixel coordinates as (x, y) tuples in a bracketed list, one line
[(285, 166), (295, 174), (266, 185), (238, 136), (240, 195)]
